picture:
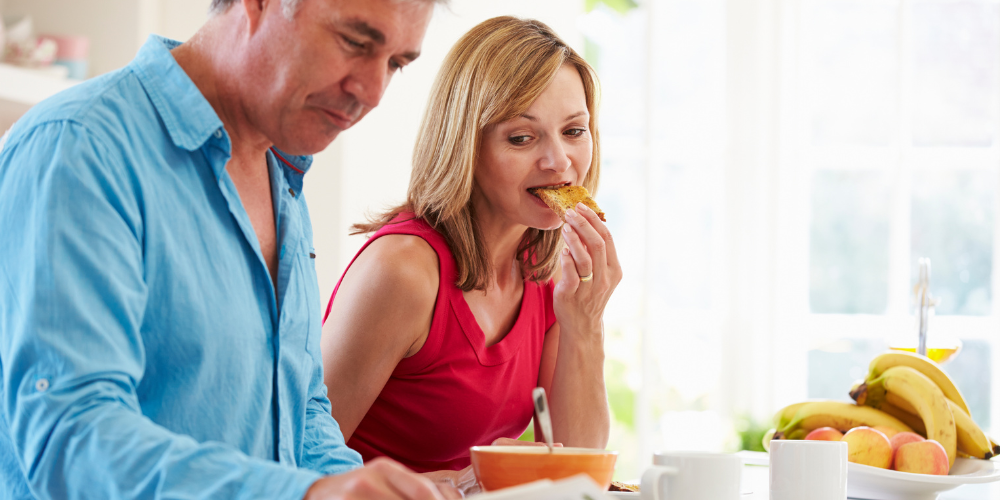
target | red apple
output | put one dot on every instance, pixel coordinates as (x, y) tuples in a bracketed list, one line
[(922, 457), (903, 438), (868, 446), (824, 434)]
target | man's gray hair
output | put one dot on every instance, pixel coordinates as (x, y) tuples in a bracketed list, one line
[(288, 7)]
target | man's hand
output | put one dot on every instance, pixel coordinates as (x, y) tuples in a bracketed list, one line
[(380, 479)]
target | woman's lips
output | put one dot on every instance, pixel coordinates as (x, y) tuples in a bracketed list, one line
[(539, 201)]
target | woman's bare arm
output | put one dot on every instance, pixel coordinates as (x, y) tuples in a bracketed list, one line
[(572, 369), (381, 315)]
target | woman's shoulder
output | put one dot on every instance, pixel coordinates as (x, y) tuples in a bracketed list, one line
[(401, 257), (405, 223)]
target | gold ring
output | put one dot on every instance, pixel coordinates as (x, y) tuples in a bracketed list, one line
[(586, 278)]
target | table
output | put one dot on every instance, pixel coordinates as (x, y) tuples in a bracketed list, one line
[(755, 480)]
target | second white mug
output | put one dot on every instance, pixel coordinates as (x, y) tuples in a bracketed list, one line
[(692, 476), (816, 470)]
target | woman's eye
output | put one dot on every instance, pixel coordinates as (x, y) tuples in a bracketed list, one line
[(518, 139), (575, 132)]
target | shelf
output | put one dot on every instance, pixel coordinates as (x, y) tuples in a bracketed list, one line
[(30, 86)]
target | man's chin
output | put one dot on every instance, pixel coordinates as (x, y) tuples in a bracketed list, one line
[(307, 147)]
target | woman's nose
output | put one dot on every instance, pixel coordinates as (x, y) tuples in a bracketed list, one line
[(555, 157)]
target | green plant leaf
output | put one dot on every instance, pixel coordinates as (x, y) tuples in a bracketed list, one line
[(619, 6)]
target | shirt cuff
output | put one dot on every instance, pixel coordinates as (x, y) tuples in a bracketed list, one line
[(278, 481)]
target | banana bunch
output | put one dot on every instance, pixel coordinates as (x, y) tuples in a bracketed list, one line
[(916, 391), (796, 420), (903, 391)]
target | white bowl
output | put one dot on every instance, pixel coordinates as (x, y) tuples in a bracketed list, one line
[(873, 483)]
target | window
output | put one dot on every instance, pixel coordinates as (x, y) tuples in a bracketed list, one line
[(901, 119), (772, 173)]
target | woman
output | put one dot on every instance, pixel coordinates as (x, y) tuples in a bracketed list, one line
[(473, 292)]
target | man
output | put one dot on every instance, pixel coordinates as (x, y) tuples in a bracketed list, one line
[(159, 312)]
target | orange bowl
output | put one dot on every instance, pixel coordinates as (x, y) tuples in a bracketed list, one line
[(498, 467)]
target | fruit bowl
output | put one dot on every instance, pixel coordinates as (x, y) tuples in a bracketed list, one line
[(873, 483)]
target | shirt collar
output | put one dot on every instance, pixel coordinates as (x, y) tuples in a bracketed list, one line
[(294, 167), (189, 118)]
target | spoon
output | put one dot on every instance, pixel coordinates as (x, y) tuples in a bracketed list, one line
[(542, 415)]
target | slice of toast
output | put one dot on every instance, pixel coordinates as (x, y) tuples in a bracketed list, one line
[(561, 199)]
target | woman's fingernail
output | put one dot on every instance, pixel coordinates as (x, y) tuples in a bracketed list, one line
[(566, 228), (571, 213), (565, 251)]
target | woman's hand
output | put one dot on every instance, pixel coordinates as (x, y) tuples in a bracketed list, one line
[(590, 273)]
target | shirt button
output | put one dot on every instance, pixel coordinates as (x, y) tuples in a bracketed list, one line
[(41, 385), (292, 192), (218, 134)]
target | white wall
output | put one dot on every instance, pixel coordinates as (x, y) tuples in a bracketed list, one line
[(116, 28), (368, 167), (179, 19), (111, 25)]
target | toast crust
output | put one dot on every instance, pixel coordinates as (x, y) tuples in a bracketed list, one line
[(562, 198)]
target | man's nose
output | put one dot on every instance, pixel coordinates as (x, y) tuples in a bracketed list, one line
[(554, 155), (367, 83)]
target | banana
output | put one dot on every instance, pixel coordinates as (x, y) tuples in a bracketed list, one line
[(971, 439), (785, 415), (922, 364), (908, 417), (839, 415), (922, 394), (766, 440), (798, 434)]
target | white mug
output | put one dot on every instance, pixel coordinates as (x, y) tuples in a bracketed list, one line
[(816, 470), (686, 475)]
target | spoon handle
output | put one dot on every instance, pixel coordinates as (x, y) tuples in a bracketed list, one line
[(542, 414)]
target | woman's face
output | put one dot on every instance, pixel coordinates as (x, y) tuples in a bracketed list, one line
[(549, 145)]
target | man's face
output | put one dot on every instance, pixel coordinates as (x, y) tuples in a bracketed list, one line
[(316, 75)]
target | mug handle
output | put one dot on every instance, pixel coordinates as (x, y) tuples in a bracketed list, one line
[(650, 482)]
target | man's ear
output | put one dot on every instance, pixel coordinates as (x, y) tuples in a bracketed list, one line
[(254, 10)]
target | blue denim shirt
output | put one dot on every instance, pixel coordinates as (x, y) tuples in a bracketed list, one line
[(143, 351)]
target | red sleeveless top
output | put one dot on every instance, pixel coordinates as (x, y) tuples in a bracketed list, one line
[(455, 392)]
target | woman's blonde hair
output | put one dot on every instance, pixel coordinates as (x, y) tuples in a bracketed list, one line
[(492, 74)]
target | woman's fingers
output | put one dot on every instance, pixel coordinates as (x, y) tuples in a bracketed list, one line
[(569, 281), (579, 251), (602, 231), (595, 244), (606, 243)]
